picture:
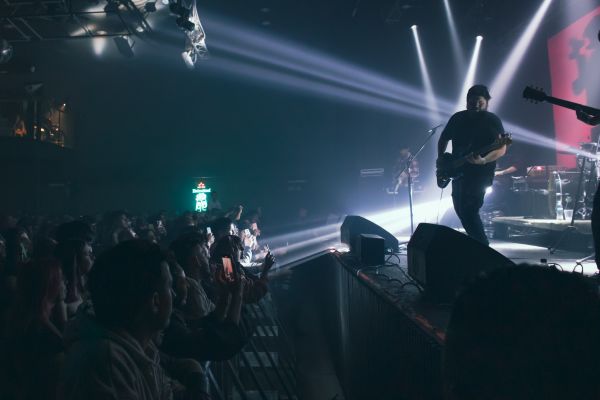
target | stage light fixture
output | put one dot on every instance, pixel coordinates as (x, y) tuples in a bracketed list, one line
[(505, 75), (470, 76), (185, 24), (429, 95), (150, 6)]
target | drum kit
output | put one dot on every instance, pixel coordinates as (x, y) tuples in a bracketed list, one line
[(550, 191)]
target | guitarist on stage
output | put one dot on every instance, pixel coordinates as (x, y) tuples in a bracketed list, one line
[(472, 129)]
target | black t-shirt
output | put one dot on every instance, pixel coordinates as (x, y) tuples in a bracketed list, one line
[(470, 131)]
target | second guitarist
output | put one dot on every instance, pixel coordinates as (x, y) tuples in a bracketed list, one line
[(472, 129)]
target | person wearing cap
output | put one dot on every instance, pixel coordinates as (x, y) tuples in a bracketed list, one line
[(469, 130)]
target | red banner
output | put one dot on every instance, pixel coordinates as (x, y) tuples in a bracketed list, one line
[(575, 70)]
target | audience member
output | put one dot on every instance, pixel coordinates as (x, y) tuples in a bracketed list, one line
[(232, 248), (214, 203), (77, 258), (219, 338), (111, 353), (78, 229), (18, 251), (221, 227), (72, 328), (524, 333), (34, 349), (191, 253), (117, 228)]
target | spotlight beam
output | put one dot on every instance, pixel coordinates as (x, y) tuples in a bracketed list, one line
[(312, 77), (309, 60), (316, 74), (457, 50), (281, 79), (470, 77), (505, 75), (429, 95)]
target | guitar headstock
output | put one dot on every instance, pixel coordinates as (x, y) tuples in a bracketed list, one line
[(534, 94)]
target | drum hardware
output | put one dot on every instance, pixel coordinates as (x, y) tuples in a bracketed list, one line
[(578, 208)]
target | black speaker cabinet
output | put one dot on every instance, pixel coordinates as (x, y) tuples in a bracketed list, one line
[(354, 225), (370, 249), (441, 259)]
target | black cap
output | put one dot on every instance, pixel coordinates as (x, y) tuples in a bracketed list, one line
[(479, 90)]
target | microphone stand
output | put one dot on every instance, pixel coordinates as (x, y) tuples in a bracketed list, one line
[(407, 169)]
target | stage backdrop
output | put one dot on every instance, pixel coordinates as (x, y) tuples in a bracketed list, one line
[(574, 69)]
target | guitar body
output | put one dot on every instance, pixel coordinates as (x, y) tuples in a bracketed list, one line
[(445, 170), (449, 167)]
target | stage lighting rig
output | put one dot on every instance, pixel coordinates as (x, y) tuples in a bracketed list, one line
[(189, 20), (185, 24)]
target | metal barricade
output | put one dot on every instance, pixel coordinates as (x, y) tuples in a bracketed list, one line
[(265, 368)]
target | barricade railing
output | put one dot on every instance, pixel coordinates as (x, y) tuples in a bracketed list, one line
[(265, 368)]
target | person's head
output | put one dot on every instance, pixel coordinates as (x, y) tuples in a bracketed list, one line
[(187, 219), (148, 233), (478, 98), (180, 283), (77, 229), (77, 258), (404, 152), (221, 227), (524, 332), (228, 246), (118, 220), (130, 287), (189, 252), (39, 287), (18, 249)]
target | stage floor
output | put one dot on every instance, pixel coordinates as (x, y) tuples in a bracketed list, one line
[(582, 226), (526, 253)]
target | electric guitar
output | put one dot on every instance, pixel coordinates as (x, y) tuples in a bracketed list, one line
[(537, 95), (449, 166)]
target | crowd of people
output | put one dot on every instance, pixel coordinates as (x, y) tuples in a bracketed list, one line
[(163, 298)]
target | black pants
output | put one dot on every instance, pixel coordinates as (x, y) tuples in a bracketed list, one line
[(467, 197)]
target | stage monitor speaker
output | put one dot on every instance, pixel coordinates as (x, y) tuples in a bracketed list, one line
[(441, 259), (354, 225), (370, 249)]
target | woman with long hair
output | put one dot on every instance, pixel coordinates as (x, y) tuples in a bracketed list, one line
[(76, 258)]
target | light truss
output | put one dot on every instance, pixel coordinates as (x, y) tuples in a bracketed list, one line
[(40, 20)]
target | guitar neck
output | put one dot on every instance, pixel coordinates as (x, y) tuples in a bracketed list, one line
[(459, 162), (571, 105)]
